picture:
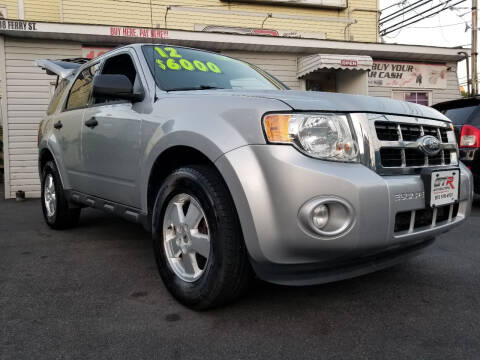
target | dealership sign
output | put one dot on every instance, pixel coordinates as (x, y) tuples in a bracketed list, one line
[(408, 75), (117, 31), (337, 4)]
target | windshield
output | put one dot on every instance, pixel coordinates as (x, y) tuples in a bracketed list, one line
[(177, 68)]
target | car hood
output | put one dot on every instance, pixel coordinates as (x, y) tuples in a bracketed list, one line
[(335, 102)]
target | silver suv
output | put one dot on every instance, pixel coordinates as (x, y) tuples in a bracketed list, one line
[(236, 175)]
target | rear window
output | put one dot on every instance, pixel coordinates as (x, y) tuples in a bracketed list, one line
[(57, 96), (460, 116)]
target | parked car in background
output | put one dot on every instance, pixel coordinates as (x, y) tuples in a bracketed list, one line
[(465, 115), (234, 174)]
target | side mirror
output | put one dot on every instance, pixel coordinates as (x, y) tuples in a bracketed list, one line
[(115, 86)]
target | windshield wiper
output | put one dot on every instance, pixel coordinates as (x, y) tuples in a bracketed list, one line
[(199, 87)]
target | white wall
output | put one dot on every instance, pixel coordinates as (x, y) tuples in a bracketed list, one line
[(24, 104), (352, 82)]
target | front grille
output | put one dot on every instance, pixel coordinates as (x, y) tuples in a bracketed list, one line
[(398, 150), (393, 157), (416, 219), (410, 132), (387, 131), (390, 131), (414, 157)]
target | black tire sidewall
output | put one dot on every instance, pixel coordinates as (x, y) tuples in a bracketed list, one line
[(186, 181), (65, 216)]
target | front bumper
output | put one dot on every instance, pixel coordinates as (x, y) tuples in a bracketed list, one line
[(270, 183)]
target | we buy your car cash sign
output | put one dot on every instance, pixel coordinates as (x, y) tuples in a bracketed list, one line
[(408, 75)]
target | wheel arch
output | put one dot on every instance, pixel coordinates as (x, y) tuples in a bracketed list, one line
[(170, 159), (44, 155)]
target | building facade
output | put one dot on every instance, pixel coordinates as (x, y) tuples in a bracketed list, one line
[(318, 45)]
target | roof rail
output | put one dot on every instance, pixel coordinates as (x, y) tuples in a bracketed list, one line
[(76, 60)]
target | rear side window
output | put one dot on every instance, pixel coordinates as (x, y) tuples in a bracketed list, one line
[(463, 115), (81, 89), (57, 96)]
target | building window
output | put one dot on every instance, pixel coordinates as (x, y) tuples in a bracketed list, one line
[(417, 97)]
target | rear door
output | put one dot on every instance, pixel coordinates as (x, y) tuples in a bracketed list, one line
[(68, 126), (111, 138)]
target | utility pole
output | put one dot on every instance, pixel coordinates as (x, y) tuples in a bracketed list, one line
[(469, 80), (474, 48)]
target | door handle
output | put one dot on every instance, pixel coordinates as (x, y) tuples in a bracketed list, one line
[(91, 123), (58, 125)]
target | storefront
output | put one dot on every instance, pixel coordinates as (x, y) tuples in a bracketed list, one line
[(425, 75)]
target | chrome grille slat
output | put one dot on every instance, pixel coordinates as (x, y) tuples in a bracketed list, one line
[(434, 217), (404, 158), (412, 221), (441, 139)]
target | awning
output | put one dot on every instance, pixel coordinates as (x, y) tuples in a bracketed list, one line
[(309, 64)]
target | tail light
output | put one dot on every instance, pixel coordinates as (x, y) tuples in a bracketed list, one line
[(470, 137)]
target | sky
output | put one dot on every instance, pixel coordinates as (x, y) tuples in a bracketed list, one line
[(445, 29)]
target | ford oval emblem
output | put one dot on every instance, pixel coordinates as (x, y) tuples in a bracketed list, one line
[(429, 145)]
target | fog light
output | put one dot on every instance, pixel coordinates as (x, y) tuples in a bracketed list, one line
[(320, 216), (326, 217)]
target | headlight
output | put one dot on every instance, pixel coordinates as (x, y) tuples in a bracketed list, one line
[(324, 136)]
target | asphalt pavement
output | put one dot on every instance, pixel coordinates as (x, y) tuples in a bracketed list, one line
[(94, 293)]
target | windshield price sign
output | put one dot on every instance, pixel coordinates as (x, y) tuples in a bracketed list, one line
[(172, 60)]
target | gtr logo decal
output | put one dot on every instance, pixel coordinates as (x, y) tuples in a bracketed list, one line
[(429, 145), (444, 182)]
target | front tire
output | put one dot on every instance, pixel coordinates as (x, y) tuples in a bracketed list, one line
[(56, 210), (198, 242)]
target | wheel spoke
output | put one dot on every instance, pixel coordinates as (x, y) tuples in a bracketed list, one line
[(200, 243), (194, 215), (51, 187), (190, 264), (177, 215), (174, 249)]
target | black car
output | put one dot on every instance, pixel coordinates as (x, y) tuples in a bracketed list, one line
[(465, 114)]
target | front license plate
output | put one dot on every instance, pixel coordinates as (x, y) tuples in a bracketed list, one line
[(444, 186)]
